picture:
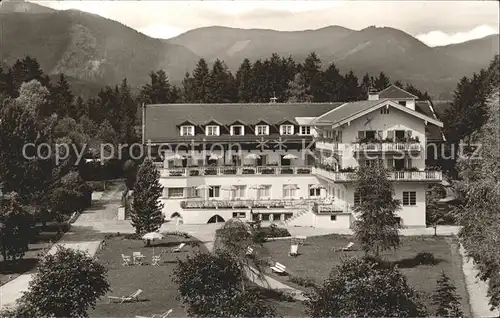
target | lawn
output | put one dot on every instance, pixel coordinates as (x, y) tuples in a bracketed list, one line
[(159, 292), (317, 258)]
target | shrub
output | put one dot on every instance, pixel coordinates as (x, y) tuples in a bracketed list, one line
[(425, 258), (248, 171), (272, 231), (301, 281), (194, 173)]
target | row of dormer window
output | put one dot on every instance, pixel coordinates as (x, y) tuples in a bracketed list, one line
[(239, 130)]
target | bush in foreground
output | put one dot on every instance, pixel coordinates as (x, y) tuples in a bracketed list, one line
[(360, 287), (66, 284), (210, 285)]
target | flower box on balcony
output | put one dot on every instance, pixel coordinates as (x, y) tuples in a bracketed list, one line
[(175, 173), (303, 171), (348, 169), (183, 204), (229, 171), (194, 173), (248, 171), (286, 171), (267, 171), (210, 172)]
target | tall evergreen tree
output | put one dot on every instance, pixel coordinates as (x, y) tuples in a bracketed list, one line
[(445, 298), (128, 114), (351, 90), (258, 83), (221, 85), (377, 227), (188, 89), (26, 70), (366, 85), (201, 77), (62, 98), (332, 81), (297, 90), (146, 211), (243, 80), (159, 90), (175, 94), (382, 82), (312, 75)]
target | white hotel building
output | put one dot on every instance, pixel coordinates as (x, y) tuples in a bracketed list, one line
[(290, 163)]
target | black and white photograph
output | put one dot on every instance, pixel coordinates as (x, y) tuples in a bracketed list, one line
[(242, 158)]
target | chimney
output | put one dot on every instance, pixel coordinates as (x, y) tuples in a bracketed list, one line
[(372, 94)]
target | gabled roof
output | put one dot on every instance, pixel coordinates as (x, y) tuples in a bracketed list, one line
[(350, 111), (394, 92), (304, 120), (213, 121), (161, 120)]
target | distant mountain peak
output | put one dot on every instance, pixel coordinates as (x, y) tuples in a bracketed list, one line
[(22, 6)]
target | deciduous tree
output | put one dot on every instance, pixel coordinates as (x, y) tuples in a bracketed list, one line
[(66, 284)]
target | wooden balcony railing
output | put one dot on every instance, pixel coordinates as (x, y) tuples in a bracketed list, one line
[(322, 208), (229, 170), (426, 175)]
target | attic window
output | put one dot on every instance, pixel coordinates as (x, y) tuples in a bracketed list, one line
[(261, 130), (237, 130), (402, 103), (187, 130), (286, 129), (305, 130), (212, 130)]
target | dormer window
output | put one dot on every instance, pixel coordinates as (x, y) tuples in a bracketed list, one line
[(286, 129), (237, 130), (305, 130), (261, 130), (187, 130), (212, 130)]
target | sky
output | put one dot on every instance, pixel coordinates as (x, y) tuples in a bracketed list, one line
[(432, 22)]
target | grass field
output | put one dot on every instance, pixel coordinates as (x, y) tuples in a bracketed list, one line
[(159, 292), (317, 258)]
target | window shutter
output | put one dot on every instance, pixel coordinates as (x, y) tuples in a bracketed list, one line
[(361, 134), (390, 134), (390, 163), (408, 163), (380, 135)]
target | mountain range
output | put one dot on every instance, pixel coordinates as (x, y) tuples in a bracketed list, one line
[(97, 50)]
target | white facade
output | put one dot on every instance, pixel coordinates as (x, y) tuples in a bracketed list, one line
[(219, 184)]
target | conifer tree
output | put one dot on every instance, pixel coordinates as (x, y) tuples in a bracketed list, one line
[(201, 79), (258, 83), (297, 90), (128, 114), (332, 84), (158, 91), (377, 227), (146, 209), (312, 75), (351, 90), (445, 298), (243, 80), (62, 98), (382, 82), (188, 95), (366, 85)]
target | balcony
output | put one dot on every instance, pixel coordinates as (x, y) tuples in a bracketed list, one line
[(325, 208), (233, 170), (327, 144), (247, 203), (426, 175), (387, 147)]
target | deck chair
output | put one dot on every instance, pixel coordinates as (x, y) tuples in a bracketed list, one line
[(126, 260), (294, 250), (156, 260), (138, 258), (123, 299), (346, 248), (178, 248), (249, 251), (164, 315), (279, 268)]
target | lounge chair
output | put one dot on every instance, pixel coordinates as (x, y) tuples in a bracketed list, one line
[(127, 260), (138, 258), (249, 251), (156, 260), (123, 299), (346, 248), (164, 315), (294, 250), (178, 248), (279, 268), (299, 240)]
